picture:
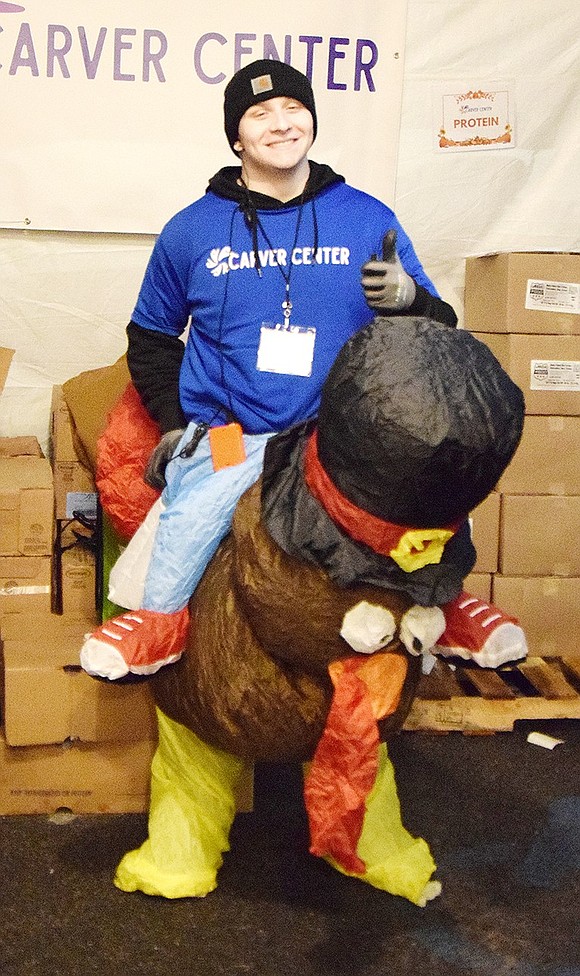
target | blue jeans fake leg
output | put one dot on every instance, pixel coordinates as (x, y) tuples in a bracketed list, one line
[(199, 507)]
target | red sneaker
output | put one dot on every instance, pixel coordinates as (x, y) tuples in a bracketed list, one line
[(477, 631), (137, 642)]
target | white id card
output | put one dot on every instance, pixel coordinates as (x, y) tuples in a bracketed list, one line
[(286, 349)]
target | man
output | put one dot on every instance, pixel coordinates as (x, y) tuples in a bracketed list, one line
[(265, 269)]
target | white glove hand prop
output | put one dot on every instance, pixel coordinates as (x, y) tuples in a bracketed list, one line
[(160, 458), (387, 286)]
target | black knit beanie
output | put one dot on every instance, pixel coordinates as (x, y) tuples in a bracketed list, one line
[(258, 82)]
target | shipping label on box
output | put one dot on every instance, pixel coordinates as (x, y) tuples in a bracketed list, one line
[(543, 366), (547, 374), (49, 698), (553, 296), (71, 478), (81, 503), (25, 584), (26, 506)]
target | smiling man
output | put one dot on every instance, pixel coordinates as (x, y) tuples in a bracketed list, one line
[(265, 269), (274, 138)]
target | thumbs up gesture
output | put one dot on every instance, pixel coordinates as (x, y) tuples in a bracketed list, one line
[(387, 286)]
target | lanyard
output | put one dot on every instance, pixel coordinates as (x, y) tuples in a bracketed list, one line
[(287, 303)]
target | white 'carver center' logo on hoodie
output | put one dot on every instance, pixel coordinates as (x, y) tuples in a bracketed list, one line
[(223, 259)]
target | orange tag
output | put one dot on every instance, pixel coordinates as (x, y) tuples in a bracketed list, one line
[(227, 446)]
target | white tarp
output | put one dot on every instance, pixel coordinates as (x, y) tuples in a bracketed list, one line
[(525, 198), (65, 298)]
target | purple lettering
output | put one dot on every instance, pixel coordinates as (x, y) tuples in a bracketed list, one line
[(121, 45), (24, 42), (54, 53), (310, 40), (240, 49), (335, 55), (153, 57), (208, 79), (92, 61), (271, 51), (364, 67)]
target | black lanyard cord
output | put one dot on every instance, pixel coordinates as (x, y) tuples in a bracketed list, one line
[(287, 303)]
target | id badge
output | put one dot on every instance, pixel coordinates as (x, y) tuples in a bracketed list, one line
[(286, 349)]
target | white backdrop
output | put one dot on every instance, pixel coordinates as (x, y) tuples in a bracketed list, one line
[(65, 298), (522, 199)]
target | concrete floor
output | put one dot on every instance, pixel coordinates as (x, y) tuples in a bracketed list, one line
[(503, 821)]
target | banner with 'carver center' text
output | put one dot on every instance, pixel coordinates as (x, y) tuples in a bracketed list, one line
[(112, 114)]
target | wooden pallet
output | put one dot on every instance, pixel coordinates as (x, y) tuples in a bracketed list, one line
[(475, 701)]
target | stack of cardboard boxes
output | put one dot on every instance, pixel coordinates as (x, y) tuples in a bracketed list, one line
[(67, 740), (526, 308), (25, 526), (74, 488), (74, 569)]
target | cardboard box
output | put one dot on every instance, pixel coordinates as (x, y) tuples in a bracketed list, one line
[(485, 533), (74, 489), (548, 609), (26, 506), (74, 484), (62, 443), (74, 572), (104, 778), (539, 535), (547, 461), (48, 698), (25, 584), (103, 386), (77, 575), (5, 360), (480, 585), (545, 367), (533, 293), (20, 446)]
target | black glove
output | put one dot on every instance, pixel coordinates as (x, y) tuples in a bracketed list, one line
[(387, 286), (160, 458)]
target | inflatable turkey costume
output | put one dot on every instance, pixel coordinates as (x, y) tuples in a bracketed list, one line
[(309, 624)]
